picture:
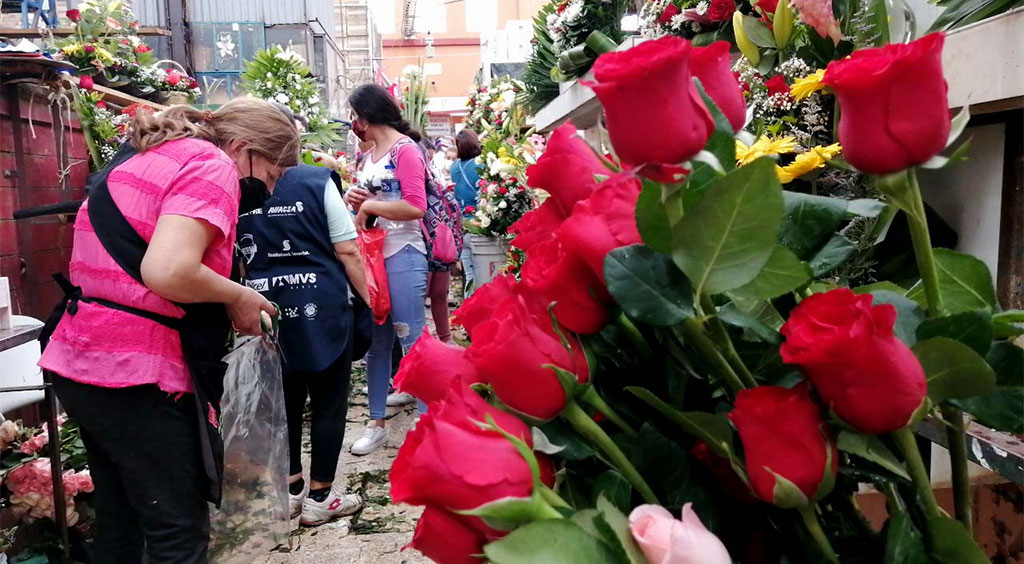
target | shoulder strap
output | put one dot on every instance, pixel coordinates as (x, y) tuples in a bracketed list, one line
[(115, 233)]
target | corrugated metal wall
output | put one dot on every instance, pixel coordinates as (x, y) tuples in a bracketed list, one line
[(154, 12)]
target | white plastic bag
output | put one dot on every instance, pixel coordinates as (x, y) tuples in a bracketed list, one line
[(254, 516)]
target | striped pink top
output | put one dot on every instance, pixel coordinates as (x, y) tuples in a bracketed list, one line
[(114, 349)]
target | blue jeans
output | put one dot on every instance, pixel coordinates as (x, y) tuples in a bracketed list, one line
[(467, 265), (407, 281)]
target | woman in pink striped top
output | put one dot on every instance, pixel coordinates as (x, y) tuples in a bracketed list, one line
[(123, 377)]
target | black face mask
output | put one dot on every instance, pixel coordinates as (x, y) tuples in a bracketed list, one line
[(254, 192)]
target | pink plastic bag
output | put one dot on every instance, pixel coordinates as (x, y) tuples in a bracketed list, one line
[(371, 246)]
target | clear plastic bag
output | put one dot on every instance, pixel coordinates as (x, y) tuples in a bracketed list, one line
[(253, 517)]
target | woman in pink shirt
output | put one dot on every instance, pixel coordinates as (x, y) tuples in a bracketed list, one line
[(122, 375)]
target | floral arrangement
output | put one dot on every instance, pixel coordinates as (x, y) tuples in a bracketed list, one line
[(281, 75), (674, 348), (703, 21), (539, 87), (490, 105), (107, 129), (580, 30), (413, 96)]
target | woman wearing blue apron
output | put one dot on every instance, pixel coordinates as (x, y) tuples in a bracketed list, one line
[(299, 251)]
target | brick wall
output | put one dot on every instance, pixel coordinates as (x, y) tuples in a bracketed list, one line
[(32, 249)]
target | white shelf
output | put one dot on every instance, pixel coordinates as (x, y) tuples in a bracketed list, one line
[(984, 62)]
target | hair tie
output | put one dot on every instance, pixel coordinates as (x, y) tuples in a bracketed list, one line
[(207, 116)]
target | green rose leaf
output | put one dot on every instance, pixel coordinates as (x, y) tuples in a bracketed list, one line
[(872, 449), (1008, 324), (953, 370), (652, 219), (1003, 408), (972, 328), (574, 446), (758, 32), (713, 429), (648, 286), (951, 543), (731, 313), (726, 240), (965, 283), (553, 541), (833, 254), (810, 221), (509, 512), (611, 486), (878, 286), (614, 527), (903, 543), (783, 273), (910, 315), (866, 207)]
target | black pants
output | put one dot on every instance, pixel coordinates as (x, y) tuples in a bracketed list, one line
[(328, 391), (144, 457)]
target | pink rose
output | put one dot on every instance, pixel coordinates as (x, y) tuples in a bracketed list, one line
[(665, 540)]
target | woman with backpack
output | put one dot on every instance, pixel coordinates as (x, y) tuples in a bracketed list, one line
[(377, 118), (466, 178)]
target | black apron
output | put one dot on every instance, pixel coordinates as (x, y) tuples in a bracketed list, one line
[(204, 329)]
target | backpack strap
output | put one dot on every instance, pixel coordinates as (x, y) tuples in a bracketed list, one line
[(112, 228)]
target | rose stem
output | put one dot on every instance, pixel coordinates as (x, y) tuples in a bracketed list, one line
[(551, 497), (692, 331), (586, 426), (593, 399), (955, 432), (634, 335), (956, 435), (895, 502), (719, 331), (905, 439), (810, 517)]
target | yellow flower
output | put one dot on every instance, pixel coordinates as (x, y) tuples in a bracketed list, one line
[(811, 160), (804, 87), (763, 147)]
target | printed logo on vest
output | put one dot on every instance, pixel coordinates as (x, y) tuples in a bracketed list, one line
[(285, 210), (248, 247), (300, 279), (310, 310), (291, 312), (259, 284)]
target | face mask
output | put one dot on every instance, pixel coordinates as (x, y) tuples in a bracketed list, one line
[(254, 192), (359, 130)]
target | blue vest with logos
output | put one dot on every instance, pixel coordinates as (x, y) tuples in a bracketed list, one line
[(287, 255)]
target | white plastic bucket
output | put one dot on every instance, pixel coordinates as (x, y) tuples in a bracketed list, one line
[(488, 258)]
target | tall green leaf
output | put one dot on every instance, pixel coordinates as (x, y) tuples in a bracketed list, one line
[(781, 274), (648, 286), (725, 241), (1003, 408), (965, 283), (903, 543), (951, 543), (553, 541), (953, 370)]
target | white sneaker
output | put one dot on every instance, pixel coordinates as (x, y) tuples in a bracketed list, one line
[(396, 399), (316, 513), (373, 438), (295, 502)]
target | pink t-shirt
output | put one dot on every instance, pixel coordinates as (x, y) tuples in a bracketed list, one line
[(115, 349)]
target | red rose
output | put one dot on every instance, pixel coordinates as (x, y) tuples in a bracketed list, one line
[(479, 307), (143, 49), (503, 190), (514, 348), (431, 366), (672, 124), (847, 349), (893, 108), (767, 6), (89, 49), (536, 225), (85, 82), (443, 536), (561, 277), (603, 222), (173, 78), (74, 15), (721, 10), (192, 83), (777, 85), (448, 461), (566, 169), (101, 104), (668, 13), (470, 210), (712, 65), (785, 437)]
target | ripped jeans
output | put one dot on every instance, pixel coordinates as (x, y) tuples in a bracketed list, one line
[(407, 281)]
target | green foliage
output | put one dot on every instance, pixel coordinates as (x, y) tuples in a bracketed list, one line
[(540, 88), (414, 97), (648, 286), (959, 13)]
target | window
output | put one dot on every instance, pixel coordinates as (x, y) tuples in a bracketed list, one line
[(225, 46), (290, 37)]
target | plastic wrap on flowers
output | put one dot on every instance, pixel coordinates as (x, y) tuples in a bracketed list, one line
[(253, 517)]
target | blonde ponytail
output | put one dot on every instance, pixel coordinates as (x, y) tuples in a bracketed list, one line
[(266, 131)]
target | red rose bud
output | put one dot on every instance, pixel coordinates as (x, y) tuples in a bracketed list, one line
[(74, 15), (668, 13), (101, 104), (721, 10), (89, 49), (777, 85), (449, 461), (537, 225), (847, 349), (561, 277), (790, 455), (478, 308), (85, 82), (192, 83), (431, 366), (712, 66), (767, 6), (173, 78), (672, 124), (143, 49), (893, 108), (443, 536), (603, 222), (566, 169), (503, 190), (514, 349)]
